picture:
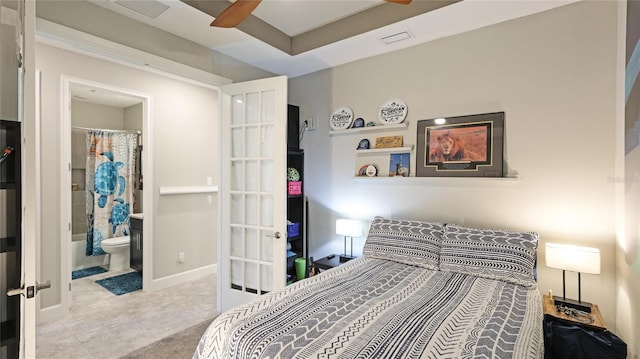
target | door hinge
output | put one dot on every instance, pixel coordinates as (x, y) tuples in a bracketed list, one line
[(69, 166), (69, 286)]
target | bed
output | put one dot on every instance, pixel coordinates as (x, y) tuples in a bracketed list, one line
[(420, 290)]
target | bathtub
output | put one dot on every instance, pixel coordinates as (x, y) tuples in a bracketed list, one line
[(78, 258)]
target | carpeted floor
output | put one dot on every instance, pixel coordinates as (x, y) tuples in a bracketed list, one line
[(181, 345)]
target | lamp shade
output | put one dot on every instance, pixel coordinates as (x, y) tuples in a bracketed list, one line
[(573, 258), (349, 227)]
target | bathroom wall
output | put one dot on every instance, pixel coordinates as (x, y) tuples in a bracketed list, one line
[(89, 115), (133, 121)]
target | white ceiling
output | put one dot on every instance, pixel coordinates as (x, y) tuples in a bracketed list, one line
[(294, 17)]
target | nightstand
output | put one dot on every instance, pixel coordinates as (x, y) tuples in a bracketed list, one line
[(329, 262), (550, 309), (567, 336)]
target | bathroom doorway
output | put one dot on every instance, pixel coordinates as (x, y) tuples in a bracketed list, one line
[(97, 108)]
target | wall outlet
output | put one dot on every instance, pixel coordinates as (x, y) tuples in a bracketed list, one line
[(311, 124), (181, 257)]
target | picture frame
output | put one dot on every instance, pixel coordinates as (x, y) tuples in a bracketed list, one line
[(399, 164), (461, 146)]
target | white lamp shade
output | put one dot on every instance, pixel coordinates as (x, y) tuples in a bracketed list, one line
[(573, 258), (349, 227)]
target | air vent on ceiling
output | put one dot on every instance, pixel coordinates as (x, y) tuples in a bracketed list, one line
[(148, 8), (405, 35)]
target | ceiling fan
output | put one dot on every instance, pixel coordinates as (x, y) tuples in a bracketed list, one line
[(240, 9)]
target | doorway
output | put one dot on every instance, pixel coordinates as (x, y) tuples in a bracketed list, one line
[(89, 107)]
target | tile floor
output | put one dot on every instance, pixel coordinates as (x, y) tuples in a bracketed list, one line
[(101, 325)]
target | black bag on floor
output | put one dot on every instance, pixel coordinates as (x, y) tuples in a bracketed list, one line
[(567, 340)]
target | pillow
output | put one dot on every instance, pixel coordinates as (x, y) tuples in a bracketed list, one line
[(495, 254), (409, 242)]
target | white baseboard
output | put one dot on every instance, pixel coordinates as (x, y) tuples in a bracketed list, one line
[(50, 314), (174, 279)]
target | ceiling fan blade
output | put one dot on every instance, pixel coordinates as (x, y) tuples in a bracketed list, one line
[(235, 13), (403, 2)]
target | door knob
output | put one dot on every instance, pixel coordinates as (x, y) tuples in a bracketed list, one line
[(275, 235), (41, 286), (30, 291)]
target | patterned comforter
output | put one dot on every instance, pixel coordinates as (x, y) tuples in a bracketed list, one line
[(376, 308)]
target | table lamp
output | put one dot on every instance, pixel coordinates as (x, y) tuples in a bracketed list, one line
[(348, 228), (575, 259)]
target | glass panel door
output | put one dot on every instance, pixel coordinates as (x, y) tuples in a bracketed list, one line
[(253, 210)]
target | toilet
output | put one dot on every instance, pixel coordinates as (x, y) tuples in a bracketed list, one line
[(118, 250)]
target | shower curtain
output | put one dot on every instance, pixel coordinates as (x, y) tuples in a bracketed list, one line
[(109, 186)]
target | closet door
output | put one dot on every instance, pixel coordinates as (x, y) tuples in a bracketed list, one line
[(252, 190)]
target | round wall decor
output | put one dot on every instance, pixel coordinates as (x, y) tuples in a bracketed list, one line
[(363, 144), (292, 174), (359, 122), (371, 171), (393, 111), (341, 118)]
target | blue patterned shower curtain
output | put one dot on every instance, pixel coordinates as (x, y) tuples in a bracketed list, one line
[(109, 186)]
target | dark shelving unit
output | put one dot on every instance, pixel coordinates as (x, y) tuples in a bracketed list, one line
[(10, 238)]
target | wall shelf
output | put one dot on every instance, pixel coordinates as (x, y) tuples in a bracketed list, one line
[(374, 151), (438, 181), (378, 128), (188, 190)]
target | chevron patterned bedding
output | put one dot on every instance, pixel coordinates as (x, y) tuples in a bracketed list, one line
[(377, 308)]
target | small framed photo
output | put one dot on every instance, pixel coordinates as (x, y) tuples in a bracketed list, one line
[(399, 164), (463, 146)]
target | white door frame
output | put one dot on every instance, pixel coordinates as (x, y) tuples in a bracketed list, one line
[(67, 82), (29, 115)]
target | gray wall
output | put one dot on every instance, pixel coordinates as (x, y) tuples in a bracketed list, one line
[(184, 130), (554, 76), (8, 64)]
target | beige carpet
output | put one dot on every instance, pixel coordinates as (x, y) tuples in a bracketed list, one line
[(181, 345)]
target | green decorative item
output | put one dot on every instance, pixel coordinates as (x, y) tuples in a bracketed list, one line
[(301, 268), (292, 174)]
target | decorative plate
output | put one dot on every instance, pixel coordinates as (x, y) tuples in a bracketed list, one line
[(363, 144), (392, 112), (341, 118), (292, 174), (371, 171)]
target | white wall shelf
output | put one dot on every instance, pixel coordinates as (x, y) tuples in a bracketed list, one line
[(438, 181), (374, 151), (188, 190), (377, 128)]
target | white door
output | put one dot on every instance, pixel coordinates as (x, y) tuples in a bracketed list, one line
[(252, 253), (30, 181)]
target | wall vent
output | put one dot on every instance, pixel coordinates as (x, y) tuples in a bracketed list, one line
[(405, 35), (148, 8)]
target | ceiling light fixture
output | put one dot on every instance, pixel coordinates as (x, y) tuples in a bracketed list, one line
[(404, 35)]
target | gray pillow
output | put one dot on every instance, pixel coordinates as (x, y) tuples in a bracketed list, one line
[(409, 242), (508, 256)]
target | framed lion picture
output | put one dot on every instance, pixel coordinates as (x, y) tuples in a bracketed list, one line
[(462, 146)]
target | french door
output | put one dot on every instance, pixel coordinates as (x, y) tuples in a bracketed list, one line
[(18, 235), (252, 253)]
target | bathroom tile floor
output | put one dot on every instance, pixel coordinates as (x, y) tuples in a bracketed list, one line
[(101, 325)]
